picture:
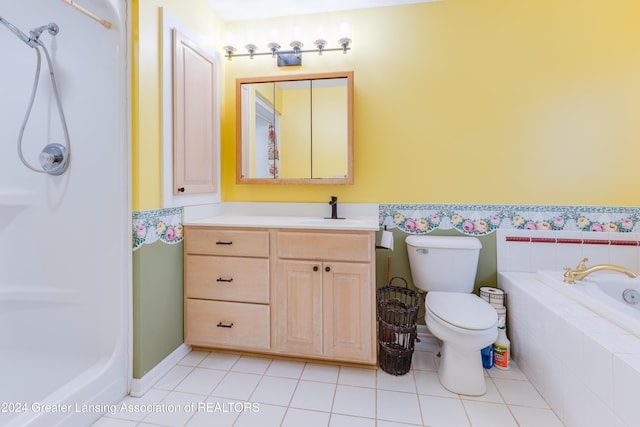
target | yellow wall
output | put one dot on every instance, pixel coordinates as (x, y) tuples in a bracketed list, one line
[(330, 130), (468, 101), (146, 95), (458, 101), (295, 139)]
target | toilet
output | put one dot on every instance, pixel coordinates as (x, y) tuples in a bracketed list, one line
[(445, 267)]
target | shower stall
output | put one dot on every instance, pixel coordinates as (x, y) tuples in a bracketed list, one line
[(65, 241)]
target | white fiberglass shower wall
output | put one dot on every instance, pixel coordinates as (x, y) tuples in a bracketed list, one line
[(65, 241)]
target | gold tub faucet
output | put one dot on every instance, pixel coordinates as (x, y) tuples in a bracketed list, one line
[(582, 271)]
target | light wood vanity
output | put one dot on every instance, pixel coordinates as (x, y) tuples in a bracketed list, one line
[(298, 292)]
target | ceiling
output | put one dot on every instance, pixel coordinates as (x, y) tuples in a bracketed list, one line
[(237, 10)]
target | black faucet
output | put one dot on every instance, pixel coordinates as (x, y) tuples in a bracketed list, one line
[(334, 208)]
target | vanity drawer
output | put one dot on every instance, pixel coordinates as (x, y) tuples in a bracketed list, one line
[(326, 246), (227, 324), (227, 278), (250, 243)]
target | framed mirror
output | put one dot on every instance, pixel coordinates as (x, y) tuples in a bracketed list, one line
[(295, 129)]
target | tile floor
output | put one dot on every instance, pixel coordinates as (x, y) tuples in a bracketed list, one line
[(221, 389)]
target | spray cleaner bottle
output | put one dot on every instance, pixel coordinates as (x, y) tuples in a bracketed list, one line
[(502, 347)]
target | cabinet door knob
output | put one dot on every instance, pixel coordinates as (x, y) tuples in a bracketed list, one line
[(327, 269), (315, 268), (180, 189)]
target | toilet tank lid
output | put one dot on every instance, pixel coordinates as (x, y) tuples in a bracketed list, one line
[(444, 242)]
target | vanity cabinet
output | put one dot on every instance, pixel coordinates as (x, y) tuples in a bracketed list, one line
[(323, 296), (293, 292), (226, 288)]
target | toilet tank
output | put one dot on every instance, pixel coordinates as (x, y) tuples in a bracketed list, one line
[(443, 263)]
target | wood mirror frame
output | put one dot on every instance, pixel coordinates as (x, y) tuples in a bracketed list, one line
[(243, 137)]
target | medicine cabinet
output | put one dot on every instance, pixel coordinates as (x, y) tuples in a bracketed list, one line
[(295, 129)]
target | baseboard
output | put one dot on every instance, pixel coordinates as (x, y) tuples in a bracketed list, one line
[(139, 386), (423, 331)]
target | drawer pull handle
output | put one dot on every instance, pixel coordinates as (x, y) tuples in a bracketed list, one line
[(220, 279), (222, 325), (219, 242), (315, 268), (327, 269)]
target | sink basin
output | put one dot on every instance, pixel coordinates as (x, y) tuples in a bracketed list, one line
[(345, 223), (321, 221)]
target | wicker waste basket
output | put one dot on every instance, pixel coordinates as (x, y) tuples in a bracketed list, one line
[(397, 313)]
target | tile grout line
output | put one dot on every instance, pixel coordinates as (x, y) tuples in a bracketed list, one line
[(192, 369)]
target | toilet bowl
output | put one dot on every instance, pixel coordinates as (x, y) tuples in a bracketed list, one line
[(445, 267), (465, 324)]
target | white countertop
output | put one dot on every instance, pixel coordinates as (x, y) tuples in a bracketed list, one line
[(364, 223)]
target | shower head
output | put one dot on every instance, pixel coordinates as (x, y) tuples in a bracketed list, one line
[(51, 28), (33, 39)]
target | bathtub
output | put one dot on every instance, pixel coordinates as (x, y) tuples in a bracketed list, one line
[(579, 345), (604, 293)]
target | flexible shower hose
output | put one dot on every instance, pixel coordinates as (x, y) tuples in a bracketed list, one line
[(60, 167)]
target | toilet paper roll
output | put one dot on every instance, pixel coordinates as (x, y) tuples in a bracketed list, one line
[(501, 312), (386, 241), (493, 296)]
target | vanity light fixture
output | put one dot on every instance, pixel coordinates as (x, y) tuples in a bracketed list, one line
[(296, 45), (289, 57), (273, 47), (320, 44), (251, 48)]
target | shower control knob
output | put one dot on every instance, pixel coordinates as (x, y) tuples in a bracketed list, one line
[(51, 158)]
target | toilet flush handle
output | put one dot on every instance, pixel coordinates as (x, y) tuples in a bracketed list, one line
[(423, 251)]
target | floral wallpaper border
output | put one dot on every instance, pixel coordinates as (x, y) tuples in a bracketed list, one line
[(478, 220), (153, 225), (474, 220)]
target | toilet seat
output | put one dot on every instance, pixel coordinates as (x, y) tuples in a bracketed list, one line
[(464, 311)]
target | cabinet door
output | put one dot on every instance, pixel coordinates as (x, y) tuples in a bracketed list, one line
[(195, 131), (348, 311), (298, 308)]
